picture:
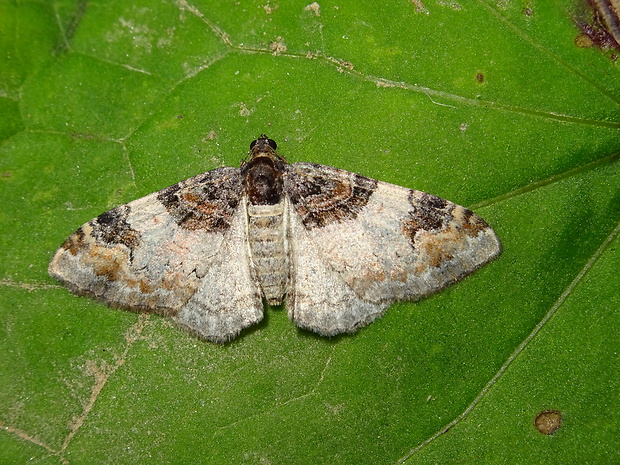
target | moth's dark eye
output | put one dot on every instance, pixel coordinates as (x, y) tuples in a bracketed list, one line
[(263, 139)]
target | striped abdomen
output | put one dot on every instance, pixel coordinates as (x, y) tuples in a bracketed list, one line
[(267, 238)]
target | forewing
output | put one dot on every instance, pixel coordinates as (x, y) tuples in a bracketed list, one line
[(156, 253), (385, 242)]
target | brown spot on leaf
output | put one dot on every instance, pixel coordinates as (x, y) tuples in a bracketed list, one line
[(584, 41), (278, 46), (548, 421)]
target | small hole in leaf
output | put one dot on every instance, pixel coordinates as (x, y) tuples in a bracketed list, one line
[(548, 421)]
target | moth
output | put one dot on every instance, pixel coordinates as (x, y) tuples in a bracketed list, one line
[(604, 30), (336, 247)]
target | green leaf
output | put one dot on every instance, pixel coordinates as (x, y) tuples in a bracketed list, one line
[(488, 104)]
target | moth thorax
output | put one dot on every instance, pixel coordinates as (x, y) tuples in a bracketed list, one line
[(263, 181), (268, 248)]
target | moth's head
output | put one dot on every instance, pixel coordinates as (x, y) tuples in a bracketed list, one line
[(262, 144), (264, 147)]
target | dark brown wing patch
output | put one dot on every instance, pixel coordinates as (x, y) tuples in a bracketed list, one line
[(207, 203), (112, 228), (428, 213), (322, 195)]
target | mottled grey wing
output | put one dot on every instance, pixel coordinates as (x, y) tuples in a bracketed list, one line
[(373, 243), (166, 253)]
